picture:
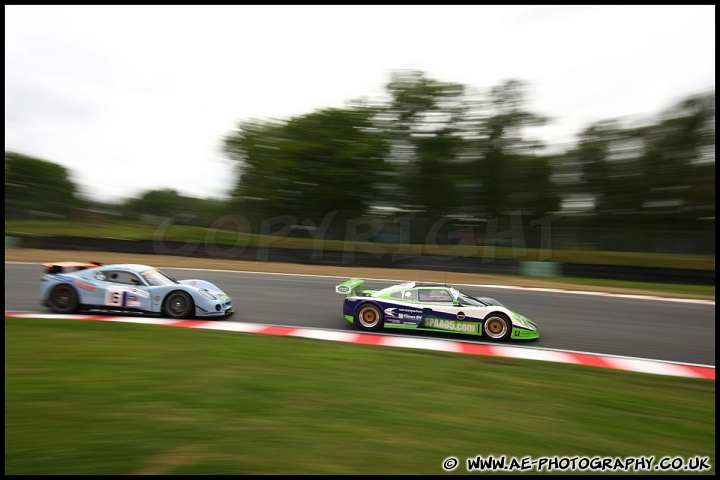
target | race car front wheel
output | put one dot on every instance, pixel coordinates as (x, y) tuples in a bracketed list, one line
[(369, 317), (497, 327), (179, 305), (63, 299)]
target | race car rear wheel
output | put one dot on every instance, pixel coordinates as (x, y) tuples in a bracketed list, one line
[(369, 317), (63, 299), (497, 327), (179, 305)]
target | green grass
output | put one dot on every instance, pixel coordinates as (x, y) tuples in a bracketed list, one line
[(185, 233), (100, 398)]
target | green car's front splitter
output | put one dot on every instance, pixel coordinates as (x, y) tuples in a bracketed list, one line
[(524, 334)]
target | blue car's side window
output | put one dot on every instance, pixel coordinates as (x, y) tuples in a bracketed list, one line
[(125, 278)]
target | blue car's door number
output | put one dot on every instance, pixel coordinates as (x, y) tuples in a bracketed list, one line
[(124, 296)]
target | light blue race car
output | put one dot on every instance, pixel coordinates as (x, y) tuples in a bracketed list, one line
[(432, 307), (68, 287)]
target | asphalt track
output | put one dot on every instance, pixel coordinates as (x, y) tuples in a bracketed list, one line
[(628, 327)]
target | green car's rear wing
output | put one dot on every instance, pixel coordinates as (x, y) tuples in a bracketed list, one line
[(348, 287)]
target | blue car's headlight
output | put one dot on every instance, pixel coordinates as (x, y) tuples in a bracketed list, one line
[(208, 294)]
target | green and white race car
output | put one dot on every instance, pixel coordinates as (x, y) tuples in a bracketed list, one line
[(432, 306)]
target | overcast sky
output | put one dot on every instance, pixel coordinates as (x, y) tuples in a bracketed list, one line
[(134, 98)]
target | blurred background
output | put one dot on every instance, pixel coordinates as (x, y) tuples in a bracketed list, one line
[(436, 163), (561, 127)]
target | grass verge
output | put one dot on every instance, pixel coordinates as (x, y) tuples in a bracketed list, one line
[(94, 398)]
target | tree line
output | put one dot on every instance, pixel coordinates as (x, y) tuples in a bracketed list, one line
[(435, 153)]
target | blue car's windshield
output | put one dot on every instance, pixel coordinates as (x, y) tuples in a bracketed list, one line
[(156, 278)]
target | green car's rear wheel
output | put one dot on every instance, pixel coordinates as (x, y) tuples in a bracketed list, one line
[(369, 317), (497, 327)]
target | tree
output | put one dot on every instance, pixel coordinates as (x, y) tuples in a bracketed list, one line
[(606, 154), (656, 172), (532, 193), (422, 121), (323, 166), (500, 142), (157, 203), (37, 187), (678, 160), (155, 206)]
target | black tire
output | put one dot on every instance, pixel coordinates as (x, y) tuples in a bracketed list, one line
[(369, 317), (63, 299), (497, 327), (179, 304)]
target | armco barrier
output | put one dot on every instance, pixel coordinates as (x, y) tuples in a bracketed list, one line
[(489, 266), (12, 242), (541, 269)]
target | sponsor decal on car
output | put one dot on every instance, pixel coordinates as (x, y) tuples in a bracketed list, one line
[(84, 285), (521, 332), (124, 296), (114, 296), (412, 316), (450, 325), (132, 301), (139, 292)]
